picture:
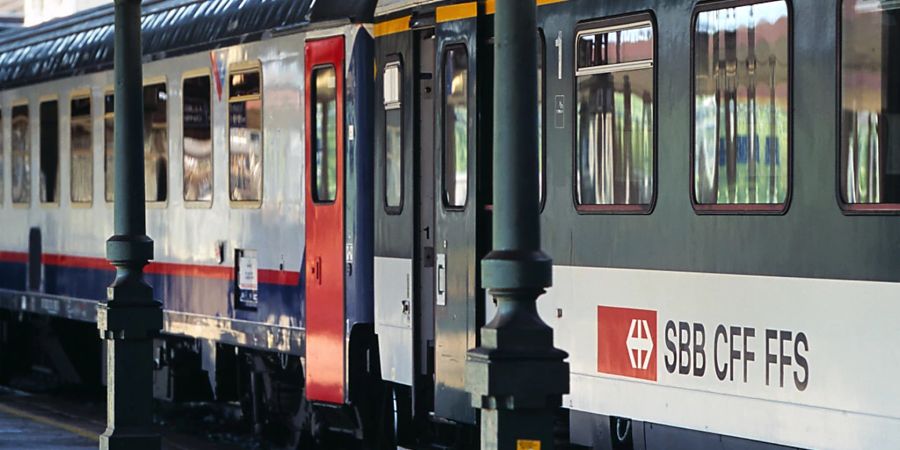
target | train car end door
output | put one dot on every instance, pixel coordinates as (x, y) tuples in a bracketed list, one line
[(325, 345)]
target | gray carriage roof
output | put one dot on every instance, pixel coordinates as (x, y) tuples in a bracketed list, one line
[(84, 43)]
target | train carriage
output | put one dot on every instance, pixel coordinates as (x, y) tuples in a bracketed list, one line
[(714, 219), (258, 174)]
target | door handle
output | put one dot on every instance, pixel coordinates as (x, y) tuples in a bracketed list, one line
[(317, 269), (441, 279)]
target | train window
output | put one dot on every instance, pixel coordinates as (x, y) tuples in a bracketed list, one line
[(20, 140), (2, 156), (156, 143), (870, 105), (393, 150), (49, 147), (109, 143), (245, 144), (324, 169), (197, 144), (615, 116), (741, 143), (81, 151), (456, 127), (542, 124)]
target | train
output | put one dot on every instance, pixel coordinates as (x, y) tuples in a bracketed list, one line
[(714, 178)]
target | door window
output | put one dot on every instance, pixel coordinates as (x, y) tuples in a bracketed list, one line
[(324, 170), (456, 127), (393, 150)]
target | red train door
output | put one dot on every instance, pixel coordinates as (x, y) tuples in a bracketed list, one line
[(325, 220)]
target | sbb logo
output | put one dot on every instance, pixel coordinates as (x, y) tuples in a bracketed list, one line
[(625, 342)]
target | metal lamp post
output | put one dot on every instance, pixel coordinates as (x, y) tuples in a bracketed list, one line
[(130, 318), (516, 377)]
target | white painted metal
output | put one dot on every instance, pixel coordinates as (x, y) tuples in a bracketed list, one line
[(850, 399), (393, 318)]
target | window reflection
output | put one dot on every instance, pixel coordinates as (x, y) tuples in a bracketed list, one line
[(109, 137), (81, 148), (325, 138), (615, 151), (21, 155), (197, 143), (245, 148), (456, 127), (540, 115), (741, 105), (870, 103), (156, 143)]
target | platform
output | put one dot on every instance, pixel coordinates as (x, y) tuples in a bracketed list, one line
[(21, 429)]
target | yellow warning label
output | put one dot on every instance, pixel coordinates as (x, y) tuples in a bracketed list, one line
[(528, 444)]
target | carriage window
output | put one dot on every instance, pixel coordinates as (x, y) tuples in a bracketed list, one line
[(456, 127), (81, 151), (616, 137), (20, 139), (49, 146), (870, 103), (156, 143), (2, 155), (245, 145), (324, 169), (197, 144), (109, 136), (541, 123), (393, 151), (741, 106)]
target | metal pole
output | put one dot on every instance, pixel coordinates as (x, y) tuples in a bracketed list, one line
[(516, 377), (130, 318)]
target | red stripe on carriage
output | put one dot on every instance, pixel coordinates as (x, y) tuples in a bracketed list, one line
[(14, 257), (266, 276)]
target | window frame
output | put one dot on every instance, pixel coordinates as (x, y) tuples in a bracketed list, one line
[(604, 25), (80, 94), (244, 67), (187, 75), (37, 152), (765, 209), (464, 45), (395, 60), (849, 209), (151, 81), (27, 104)]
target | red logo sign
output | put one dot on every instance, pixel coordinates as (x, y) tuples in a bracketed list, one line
[(626, 342)]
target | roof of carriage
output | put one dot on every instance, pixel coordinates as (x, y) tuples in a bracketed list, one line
[(387, 7), (84, 43)]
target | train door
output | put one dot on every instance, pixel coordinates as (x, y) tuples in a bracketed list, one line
[(456, 209), (325, 220), (425, 237)]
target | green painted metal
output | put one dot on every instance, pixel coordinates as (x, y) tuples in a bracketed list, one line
[(130, 318), (516, 377)]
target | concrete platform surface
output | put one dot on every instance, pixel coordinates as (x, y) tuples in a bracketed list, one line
[(23, 430)]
